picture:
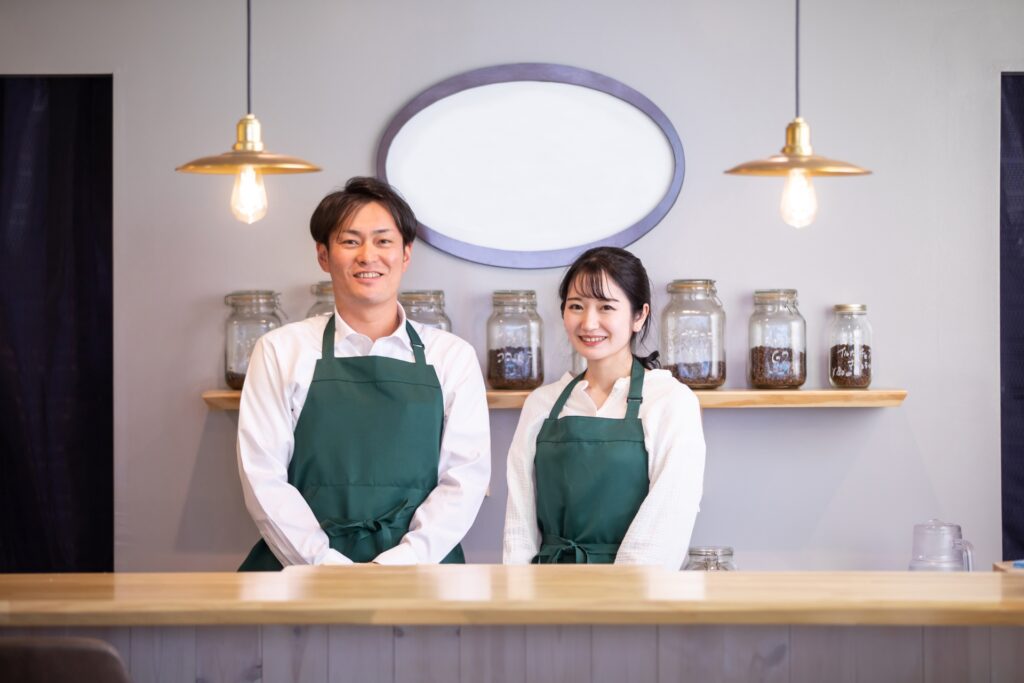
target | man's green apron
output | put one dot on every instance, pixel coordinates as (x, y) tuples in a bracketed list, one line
[(367, 446), (591, 480)]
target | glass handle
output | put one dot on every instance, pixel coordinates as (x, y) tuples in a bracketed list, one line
[(968, 550)]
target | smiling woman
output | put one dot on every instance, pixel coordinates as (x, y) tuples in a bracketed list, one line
[(526, 165)]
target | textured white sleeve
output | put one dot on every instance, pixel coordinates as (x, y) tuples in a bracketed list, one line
[(265, 446), (522, 535), (660, 532), (464, 469)]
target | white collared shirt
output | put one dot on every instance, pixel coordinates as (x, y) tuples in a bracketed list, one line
[(280, 372), (670, 413)]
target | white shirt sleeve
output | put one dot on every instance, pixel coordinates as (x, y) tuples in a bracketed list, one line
[(660, 532), (265, 446), (522, 538), (464, 469)]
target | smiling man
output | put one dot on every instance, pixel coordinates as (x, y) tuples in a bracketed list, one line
[(362, 436)]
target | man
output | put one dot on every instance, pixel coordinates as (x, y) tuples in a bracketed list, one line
[(362, 436)]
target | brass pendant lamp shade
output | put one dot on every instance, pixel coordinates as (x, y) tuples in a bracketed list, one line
[(797, 155), (797, 162), (248, 160), (248, 151)]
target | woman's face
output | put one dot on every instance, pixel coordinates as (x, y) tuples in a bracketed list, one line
[(600, 328)]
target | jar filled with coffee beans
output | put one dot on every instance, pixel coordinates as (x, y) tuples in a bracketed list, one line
[(514, 339), (253, 314), (426, 306), (849, 342), (693, 334), (323, 293), (778, 341)]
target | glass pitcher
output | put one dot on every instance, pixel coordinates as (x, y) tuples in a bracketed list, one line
[(940, 547)]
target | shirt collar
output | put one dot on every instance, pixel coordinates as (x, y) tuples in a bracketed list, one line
[(342, 330)]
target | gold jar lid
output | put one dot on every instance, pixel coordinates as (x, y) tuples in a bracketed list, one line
[(850, 308)]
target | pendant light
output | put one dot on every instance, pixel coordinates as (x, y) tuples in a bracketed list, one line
[(798, 163), (248, 161)]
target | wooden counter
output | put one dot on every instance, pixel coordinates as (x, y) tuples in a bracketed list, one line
[(493, 594), (467, 624)]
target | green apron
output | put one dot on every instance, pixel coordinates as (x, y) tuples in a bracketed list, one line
[(367, 446), (591, 480)]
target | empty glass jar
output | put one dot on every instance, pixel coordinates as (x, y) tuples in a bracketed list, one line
[(778, 341), (514, 341), (323, 292), (426, 306), (709, 558), (253, 314), (849, 342), (693, 334)]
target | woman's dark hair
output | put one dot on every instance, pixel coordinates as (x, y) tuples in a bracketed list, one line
[(588, 273), (335, 208)]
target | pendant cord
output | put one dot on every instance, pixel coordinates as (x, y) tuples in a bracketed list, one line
[(248, 56), (797, 58)]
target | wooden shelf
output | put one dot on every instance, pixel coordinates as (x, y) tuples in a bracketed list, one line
[(223, 399)]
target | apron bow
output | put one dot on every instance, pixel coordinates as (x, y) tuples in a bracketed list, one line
[(378, 527)]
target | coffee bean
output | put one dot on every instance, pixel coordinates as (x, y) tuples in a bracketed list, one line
[(849, 369), (777, 368), (515, 367), (702, 375)]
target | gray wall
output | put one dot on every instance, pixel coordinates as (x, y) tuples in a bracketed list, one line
[(909, 90)]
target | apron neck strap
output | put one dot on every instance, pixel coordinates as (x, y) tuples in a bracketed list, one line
[(636, 391), (633, 401), (328, 343), (417, 345)]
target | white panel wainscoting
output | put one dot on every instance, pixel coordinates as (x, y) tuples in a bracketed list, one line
[(563, 654)]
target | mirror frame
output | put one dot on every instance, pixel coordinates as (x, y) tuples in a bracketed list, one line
[(553, 73)]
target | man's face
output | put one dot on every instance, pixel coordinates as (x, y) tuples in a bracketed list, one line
[(365, 258)]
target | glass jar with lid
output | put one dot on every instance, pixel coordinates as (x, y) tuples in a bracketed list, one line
[(849, 342), (323, 292), (253, 313), (778, 341), (693, 334), (514, 341), (709, 558), (426, 306)]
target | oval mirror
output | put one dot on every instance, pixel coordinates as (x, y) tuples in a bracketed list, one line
[(527, 165)]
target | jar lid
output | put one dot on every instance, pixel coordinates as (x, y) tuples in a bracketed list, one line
[(851, 308), (711, 550), (251, 296), (422, 296), (502, 296), (677, 285), (771, 295), (322, 288)]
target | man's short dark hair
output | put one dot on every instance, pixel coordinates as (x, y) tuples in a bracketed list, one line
[(337, 207)]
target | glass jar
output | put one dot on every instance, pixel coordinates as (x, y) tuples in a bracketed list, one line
[(426, 306), (709, 558), (514, 359), (323, 291), (693, 334), (253, 314), (778, 341), (849, 342)]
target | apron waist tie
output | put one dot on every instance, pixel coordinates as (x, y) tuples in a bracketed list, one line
[(379, 527), (554, 547)]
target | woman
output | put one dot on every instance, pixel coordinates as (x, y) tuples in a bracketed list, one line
[(608, 466)]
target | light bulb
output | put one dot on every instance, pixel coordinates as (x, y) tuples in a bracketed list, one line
[(249, 196), (799, 203)]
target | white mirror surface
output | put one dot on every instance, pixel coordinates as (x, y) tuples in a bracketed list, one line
[(531, 166)]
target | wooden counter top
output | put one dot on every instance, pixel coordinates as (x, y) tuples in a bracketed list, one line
[(493, 594)]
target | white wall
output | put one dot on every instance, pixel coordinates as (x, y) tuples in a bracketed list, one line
[(908, 89)]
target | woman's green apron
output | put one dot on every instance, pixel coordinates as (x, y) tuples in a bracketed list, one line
[(367, 446), (591, 479)]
